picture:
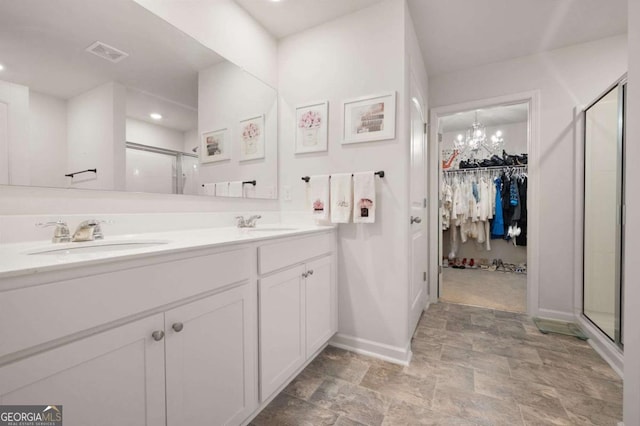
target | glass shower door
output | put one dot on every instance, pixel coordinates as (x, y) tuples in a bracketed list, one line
[(603, 199)]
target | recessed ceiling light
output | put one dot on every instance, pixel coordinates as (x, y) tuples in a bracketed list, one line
[(155, 116), (1, 67)]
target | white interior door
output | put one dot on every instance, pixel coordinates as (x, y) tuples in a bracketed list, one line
[(418, 189)]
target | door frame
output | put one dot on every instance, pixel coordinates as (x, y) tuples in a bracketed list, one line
[(532, 98)]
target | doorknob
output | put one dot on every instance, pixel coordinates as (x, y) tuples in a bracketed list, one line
[(415, 220), (177, 327), (157, 335)]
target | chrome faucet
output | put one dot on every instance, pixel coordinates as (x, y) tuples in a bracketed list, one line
[(241, 222), (60, 234), (89, 230)]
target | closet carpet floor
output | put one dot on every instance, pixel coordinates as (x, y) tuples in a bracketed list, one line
[(505, 291), (470, 366)]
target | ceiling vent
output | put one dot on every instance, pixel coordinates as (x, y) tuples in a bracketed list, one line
[(107, 52)]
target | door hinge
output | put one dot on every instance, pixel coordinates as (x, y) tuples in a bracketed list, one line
[(424, 203), (439, 137), (440, 269), (424, 276), (426, 126)]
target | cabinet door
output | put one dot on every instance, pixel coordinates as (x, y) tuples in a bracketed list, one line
[(211, 359), (319, 304), (114, 377), (281, 328)]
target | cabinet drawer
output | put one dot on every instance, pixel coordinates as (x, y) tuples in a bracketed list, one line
[(36, 315), (272, 257)]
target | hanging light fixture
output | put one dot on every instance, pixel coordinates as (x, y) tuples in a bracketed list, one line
[(475, 143)]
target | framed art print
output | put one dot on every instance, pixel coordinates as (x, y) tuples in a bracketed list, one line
[(369, 118), (311, 127), (215, 146), (251, 138)]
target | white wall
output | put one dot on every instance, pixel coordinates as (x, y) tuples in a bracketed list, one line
[(631, 404), (96, 135), (566, 78), (48, 140), (141, 132), (16, 97), (227, 95), (355, 55), (4, 144), (227, 29)]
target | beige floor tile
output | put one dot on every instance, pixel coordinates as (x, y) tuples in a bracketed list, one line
[(392, 382), (286, 410), (478, 408), (496, 290)]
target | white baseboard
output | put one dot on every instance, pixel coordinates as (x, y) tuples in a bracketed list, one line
[(605, 347), (393, 354), (556, 315)]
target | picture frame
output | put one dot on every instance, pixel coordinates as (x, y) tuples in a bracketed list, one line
[(215, 145), (369, 118), (312, 127), (251, 138)]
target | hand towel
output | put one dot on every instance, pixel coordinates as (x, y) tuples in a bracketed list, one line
[(209, 189), (222, 189), (235, 189), (319, 196), (364, 197), (341, 198)]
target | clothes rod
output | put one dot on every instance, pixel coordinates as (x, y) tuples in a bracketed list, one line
[(481, 169), (308, 178), (71, 175)]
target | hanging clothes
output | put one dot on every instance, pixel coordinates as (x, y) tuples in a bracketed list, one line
[(521, 240), (497, 227)]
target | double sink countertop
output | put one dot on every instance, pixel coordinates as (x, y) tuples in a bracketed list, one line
[(26, 258)]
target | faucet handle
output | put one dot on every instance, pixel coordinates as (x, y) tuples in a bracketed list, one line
[(240, 222), (60, 234), (96, 232)]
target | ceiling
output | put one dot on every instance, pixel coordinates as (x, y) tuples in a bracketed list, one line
[(174, 116), (489, 117), (460, 34), (42, 45), (286, 17)]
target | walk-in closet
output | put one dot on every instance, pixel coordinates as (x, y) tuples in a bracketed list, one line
[(483, 192)]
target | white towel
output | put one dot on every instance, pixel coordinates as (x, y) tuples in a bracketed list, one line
[(319, 196), (209, 189), (341, 198), (235, 189), (364, 197), (222, 189)]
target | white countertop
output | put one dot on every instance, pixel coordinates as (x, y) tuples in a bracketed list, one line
[(15, 259)]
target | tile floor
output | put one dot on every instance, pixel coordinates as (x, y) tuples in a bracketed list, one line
[(506, 291), (470, 366)]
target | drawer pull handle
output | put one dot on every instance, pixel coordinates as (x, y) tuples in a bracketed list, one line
[(157, 335), (310, 272), (177, 327)]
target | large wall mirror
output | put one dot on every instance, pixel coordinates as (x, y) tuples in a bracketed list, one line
[(603, 212), (106, 95)]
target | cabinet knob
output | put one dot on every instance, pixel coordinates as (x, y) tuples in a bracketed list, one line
[(157, 335), (310, 272), (177, 327), (305, 275)]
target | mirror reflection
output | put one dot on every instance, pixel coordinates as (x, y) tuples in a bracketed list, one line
[(106, 95)]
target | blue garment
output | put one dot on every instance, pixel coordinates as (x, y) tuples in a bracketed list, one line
[(497, 228), (513, 192)]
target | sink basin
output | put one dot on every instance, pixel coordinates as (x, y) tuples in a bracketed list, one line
[(273, 229), (101, 246)]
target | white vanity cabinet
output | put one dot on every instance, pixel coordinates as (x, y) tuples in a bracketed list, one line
[(297, 306), (116, 376), (210, 360)]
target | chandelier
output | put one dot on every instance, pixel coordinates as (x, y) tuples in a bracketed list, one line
[(475, 144)]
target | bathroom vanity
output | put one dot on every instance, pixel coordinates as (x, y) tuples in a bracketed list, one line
[(192, 327)]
